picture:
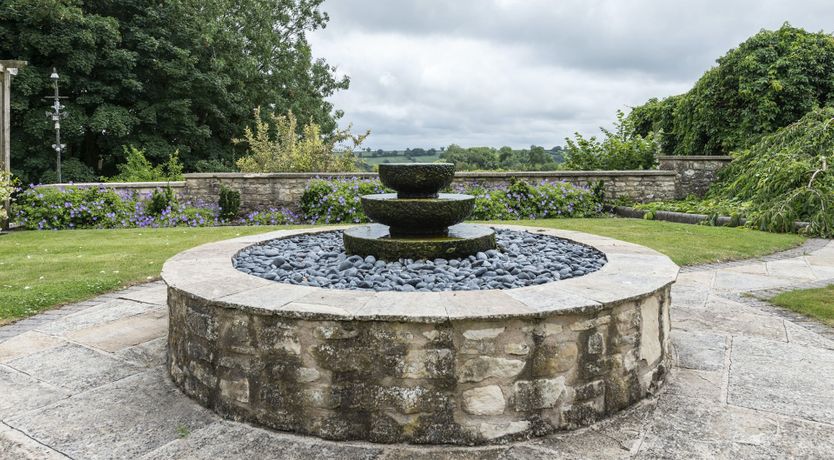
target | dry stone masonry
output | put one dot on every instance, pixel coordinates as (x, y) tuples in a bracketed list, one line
[(463, 367), (677, 177)]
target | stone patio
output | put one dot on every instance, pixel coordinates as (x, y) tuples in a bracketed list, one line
[(751, 381)]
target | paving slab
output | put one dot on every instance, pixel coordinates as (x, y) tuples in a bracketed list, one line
[(784, 378), (16, 445), (125, 419), (230, 440), (21, 393), (74, 367), (125, 332), (802, 336), (697, 384), (155, 293), (25, 344), (726, 280), (110, 310), (690, 428), (148, 354), (689, 296), (699, 350), (617, 437), (790, 268), (750, 324)]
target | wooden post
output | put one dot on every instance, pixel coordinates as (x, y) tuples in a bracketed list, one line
[(7, 69)]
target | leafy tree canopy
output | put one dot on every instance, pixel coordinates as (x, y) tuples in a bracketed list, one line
[(536, 158), (768, 82), (162, 76)]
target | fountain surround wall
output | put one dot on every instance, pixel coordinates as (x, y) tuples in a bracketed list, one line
[(462, 367)]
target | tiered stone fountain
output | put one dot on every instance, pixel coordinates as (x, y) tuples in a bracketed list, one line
[(418, 222), (490, 364)]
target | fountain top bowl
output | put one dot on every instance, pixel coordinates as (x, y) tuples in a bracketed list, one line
[(416, 180)]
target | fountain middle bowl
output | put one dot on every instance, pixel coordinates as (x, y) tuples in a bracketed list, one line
[(423, 216)]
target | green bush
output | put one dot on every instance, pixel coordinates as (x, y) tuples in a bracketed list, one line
[(287, 151), (270, 216), (229, 203), (7, 187), (337, 200), (620, 150), (333, 201), (72, 207), (137, 168), (161, 200), (72, 170), (524, 201)]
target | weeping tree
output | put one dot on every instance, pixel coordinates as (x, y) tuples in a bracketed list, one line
[(178, 75), (786, 177)]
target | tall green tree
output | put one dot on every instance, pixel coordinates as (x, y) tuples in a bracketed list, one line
[(160, 75), (769, 81)]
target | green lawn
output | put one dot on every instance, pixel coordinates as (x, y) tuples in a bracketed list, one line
[(42, 269), (39, 270), (683, 243), (816, 303)]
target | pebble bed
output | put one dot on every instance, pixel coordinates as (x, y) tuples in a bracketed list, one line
[(523, 259)]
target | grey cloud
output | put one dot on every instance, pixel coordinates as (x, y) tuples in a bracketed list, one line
[(521, 72)]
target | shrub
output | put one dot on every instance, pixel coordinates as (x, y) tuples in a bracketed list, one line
[(334, 201), (72, 170), (286, 151), (229, 203), (337, 200), (71, 207), (214, 165), (137, 168), (620, 150), (522, 200), (270, 216), (161, 200), (7, 187)]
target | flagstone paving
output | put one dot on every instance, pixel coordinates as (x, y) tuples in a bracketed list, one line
[(751, 381)]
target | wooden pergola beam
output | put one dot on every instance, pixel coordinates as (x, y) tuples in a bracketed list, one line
[(7, 69)]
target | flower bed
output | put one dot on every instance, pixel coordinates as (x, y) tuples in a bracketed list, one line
[(325, 201)]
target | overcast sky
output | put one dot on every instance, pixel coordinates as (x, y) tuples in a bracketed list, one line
[(427, 73)]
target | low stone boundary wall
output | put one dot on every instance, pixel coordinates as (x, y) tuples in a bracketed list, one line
[(694, 173), (260, 191), (676, 178), (459, 367)]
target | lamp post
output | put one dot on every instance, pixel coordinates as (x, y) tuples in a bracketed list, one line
[(56, 115)]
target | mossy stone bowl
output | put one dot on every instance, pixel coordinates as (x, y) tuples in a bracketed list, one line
[(418, 216), (416, 180)]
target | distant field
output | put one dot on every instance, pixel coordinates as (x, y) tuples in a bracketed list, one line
[(401, 159)]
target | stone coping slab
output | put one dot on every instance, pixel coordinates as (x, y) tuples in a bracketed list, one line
[(206, 273)]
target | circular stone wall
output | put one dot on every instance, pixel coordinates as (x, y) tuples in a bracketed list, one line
[(460, 367)]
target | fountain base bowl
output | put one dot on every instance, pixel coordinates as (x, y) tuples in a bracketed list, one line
[(462, 240)]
